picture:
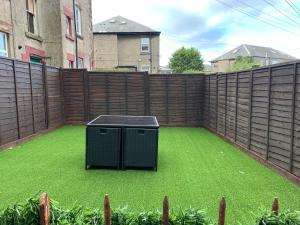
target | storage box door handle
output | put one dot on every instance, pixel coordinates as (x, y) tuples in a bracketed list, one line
[(141, 132), (103, 131)]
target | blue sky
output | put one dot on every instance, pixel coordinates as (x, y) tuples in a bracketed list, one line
[(212, 26)]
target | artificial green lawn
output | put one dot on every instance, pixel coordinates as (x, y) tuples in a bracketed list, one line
[(195, 168)]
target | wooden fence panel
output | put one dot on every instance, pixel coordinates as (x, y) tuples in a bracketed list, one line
[(176, 101), (135, 96), (194, 100), (295, 167), (221, 126), (73, 90), (159, 97), (258, 142), (231, 105), (281, 116), (206, 104), (213, 102), (97, 95), (55, 101), (117, 94), (38, 96), (8, 115), (243, 103), (24, 98)]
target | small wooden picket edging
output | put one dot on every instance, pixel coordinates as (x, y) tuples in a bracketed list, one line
[(45, 210)]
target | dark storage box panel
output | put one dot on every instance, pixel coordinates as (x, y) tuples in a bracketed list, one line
[(103, 146), (140, 147)]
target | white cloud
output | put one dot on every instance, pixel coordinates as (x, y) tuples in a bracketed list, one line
[(240, 29)]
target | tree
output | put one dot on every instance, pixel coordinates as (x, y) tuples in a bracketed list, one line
[(186, 59), (242, 63)]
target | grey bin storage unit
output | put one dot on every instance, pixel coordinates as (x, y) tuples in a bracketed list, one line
[(122, 142), (103, 147)]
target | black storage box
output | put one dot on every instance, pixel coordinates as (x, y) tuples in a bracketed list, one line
[(122, 142)]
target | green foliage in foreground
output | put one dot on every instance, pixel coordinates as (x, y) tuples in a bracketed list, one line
[(28, 213)]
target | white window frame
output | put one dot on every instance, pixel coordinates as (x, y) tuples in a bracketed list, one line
[(4, 52), (78, 20), (145, 42), (145, 68), (80, 66), (69, 26)]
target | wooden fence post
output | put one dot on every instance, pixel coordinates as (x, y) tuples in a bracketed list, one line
[(16, 98), (167, 98), (44, 207), (222, 212), (217, 102), (147, 102), (86, 104), (293, 118), (31, 97), (225, 106), (166, 215), (250, 109), (45, 86), (236, 105), (106, 211), (269, 110), (275, 206)]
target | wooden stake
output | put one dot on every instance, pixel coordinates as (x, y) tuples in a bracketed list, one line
[(222, 211), (44, 209), (166, 215), (106, 210), (275, 206)]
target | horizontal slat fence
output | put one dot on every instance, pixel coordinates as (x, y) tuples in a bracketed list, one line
[(176, 100), (258, 110), (30, 99)]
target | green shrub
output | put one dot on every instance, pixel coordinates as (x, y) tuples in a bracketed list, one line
[(285, 218), (28, 214)]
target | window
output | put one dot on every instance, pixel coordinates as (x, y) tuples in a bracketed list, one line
[(71, 64), (80, 63), (78, 20), (274, 61), (145, 68), (30, 5), (3, 44), (69, 26), (145, 45), (35, 59)]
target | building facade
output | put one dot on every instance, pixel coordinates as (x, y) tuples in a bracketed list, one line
[(124, 45), (58, 32), (263, 56)]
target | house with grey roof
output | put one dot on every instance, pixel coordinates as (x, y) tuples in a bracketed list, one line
[(122, 44), (263, 56)]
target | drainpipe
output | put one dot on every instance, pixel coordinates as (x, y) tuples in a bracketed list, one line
[(76, 41), (13, 29)]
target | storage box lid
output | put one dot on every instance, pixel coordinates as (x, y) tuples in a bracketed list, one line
[(125, 121)]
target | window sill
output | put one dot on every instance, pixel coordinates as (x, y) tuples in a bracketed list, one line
[(145, 53), (33, 36), (79, 36), (70, 37)]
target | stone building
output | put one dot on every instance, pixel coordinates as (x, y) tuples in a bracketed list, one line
[(122, 44), (44, 30), (263, 56)]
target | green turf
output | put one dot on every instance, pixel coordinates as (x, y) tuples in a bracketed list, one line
[(195, 169)]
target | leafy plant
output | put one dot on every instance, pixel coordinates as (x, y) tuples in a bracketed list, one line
[(285, 218)]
